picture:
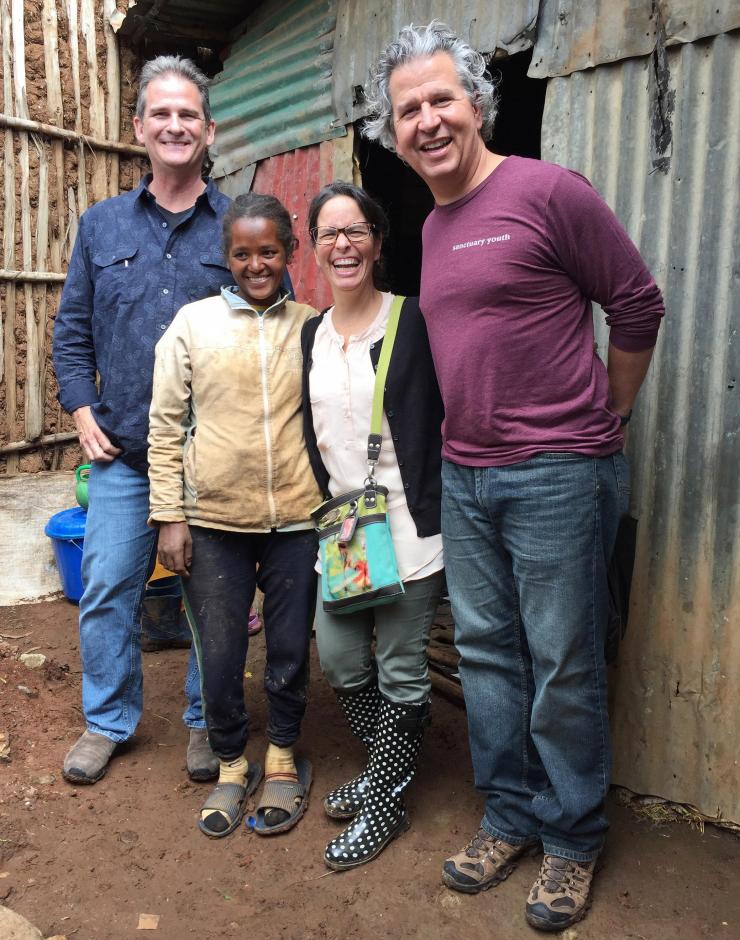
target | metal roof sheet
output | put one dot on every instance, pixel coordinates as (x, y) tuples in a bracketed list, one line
[(183, 25), (572, 35), (677, 697), (364, 29), (274, 94)]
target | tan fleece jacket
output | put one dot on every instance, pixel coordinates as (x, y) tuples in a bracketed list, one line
[(226, 446)]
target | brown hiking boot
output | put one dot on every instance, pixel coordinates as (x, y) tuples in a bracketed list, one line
[(485, 861), (561, 895)]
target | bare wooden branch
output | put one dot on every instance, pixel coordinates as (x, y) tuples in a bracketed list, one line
[(443, 657), (49, 130), (48, 440), (446, 687), (34, 277)]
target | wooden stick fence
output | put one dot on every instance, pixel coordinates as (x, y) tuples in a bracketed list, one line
[(63, 133), (51, 173)]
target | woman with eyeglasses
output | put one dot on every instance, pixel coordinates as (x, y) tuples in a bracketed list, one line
[(385, 699)]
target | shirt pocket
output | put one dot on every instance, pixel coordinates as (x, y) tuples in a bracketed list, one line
[(213, 274), (114, 272)]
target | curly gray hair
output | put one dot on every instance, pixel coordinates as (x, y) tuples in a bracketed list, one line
[(165, 65), (414, 42)]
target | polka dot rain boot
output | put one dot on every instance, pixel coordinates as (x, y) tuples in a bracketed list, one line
[(361, 711), (392, 764)]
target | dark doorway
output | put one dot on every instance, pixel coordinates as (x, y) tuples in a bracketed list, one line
[(406, 198)]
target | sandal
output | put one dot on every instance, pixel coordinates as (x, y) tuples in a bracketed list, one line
[(288, 795), (231, 799)]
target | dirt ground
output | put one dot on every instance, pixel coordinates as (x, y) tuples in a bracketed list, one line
[(85, 862)]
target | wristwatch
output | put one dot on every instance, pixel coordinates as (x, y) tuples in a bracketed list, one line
[(624, 419)]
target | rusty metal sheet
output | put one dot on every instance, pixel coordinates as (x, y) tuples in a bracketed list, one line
[(295, 178), (364, 29), (274, 94), (572, 35), (665, 153)]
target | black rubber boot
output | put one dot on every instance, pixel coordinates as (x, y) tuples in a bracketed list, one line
[(391, 769), (361, 711)]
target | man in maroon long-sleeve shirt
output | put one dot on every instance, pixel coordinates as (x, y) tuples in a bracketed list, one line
[(534, 478)]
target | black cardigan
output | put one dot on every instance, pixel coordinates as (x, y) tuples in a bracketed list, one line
[(413, 407)]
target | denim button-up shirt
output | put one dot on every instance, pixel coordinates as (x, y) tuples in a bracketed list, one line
[(129, 274)]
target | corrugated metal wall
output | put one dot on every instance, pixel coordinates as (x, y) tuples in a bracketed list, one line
[(274, 94), (575, 35), (295, 178), (678, 698), (365, 28)]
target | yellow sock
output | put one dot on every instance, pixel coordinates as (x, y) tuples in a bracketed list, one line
[(233, 771), (280, 760)]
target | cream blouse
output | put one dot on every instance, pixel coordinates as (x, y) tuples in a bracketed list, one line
[(341, 387)]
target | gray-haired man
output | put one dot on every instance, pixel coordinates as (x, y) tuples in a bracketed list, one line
[(533, 476), (138, 258)]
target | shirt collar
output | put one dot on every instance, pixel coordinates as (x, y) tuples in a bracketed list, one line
[(207, 196), (236, 302)]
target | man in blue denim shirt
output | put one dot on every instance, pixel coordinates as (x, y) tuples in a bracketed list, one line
[(138, 258)]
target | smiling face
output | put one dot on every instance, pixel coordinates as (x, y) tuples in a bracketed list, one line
[(257, 260), (436, 125), (173, 129), (347, 266)]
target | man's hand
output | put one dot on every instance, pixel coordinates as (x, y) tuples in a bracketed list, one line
[(175, 547), (95, 444)]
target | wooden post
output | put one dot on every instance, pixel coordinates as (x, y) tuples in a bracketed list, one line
[(74, 54), (113, 100), (97, 100), (9, 234), (56, 116), (33, 404), (40, 292)]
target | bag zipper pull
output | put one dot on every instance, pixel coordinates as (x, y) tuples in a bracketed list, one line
[(347, 529)]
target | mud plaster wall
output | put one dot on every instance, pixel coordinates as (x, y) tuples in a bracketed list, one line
[(63, 174)]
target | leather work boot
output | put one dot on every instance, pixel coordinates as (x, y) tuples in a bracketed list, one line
[(202, 763), (87, 759), (484, 862), (361, 711), (561, 895)]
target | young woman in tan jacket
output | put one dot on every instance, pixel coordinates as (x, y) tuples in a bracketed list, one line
[(231, 493)]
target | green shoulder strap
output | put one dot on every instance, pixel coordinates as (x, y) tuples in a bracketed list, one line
[(385, 357), (376, 421)]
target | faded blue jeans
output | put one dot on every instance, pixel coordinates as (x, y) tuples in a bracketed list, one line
[(526, 551), (116, 560)]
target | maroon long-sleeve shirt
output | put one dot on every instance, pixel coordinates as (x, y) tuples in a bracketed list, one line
[(508, 275)]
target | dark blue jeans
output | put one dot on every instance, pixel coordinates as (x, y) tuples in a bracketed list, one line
[(526, 552), (226, 568)]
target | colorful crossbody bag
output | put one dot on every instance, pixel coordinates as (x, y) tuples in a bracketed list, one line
[(358, 562)]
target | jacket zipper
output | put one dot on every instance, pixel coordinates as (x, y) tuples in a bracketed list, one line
[(266, 420)]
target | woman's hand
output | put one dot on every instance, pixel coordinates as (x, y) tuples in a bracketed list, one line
[(175, 547)]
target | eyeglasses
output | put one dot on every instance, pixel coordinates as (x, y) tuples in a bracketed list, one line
[(356, 232)]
